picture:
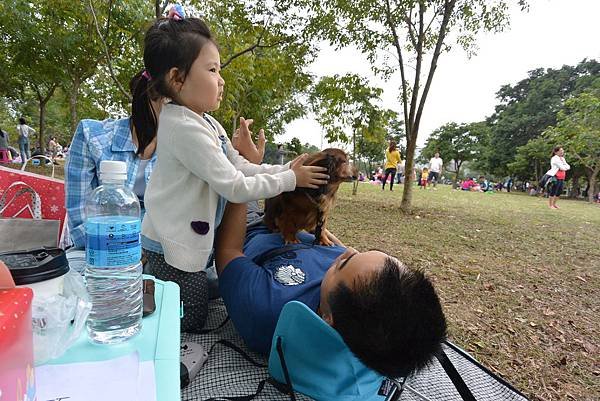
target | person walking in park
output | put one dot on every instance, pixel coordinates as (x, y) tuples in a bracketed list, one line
[(558, 170), (53, 148), (400, 171), (435, 168), (24, 132), (424, 178), (4, 152), (280, 154), (392, 159)]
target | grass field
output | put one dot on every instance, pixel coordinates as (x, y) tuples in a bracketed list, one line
[(520, 282)]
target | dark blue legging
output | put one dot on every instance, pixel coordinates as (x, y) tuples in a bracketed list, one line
[(557, 188), (388, 172)]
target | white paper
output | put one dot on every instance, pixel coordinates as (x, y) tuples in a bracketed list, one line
[(120, 379), (146, 382)]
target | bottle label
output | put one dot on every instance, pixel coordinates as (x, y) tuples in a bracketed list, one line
[(113, 243)]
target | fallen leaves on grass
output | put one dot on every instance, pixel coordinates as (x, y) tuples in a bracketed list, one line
[(519, 284)]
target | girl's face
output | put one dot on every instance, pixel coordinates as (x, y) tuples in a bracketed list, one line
[(202, 89), (561, 152)]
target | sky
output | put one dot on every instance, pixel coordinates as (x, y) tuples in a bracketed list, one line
[(553, 33)]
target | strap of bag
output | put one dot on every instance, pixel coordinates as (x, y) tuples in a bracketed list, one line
[(263, 257), (286, 374), (261, 384), (39, 157), (36, 202), (223, 323), (454, 376)]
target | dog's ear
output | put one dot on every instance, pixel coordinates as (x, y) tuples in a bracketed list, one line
[(316, 159)]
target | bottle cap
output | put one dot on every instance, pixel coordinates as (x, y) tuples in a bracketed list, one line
[(113, 170)]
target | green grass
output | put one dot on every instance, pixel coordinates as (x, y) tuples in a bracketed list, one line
[(519, 281), (59, 170)]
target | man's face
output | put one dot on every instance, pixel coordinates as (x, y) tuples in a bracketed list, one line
[(436, 155), (347, 268)]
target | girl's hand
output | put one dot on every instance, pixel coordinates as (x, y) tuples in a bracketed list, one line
[(242, 142), (308, 176)]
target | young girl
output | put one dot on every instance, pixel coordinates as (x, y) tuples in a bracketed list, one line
[(424, 177), (197, 169)]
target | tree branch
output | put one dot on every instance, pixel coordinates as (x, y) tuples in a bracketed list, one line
[(411, 28), (401, 64), (158, 9), (419, 50), (448, 9), (107, 30), (107, 53), (257, 45)]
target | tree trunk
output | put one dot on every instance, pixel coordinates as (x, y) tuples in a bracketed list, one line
[(455, 184), (411, 139), (73, 97), (42, 105), (41, 143), (575, 182), (593, 185), (355, 183)]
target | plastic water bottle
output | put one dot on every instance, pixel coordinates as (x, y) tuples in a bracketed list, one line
[(113, 270)]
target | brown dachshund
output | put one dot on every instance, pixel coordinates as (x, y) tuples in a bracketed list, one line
[(308, 209)]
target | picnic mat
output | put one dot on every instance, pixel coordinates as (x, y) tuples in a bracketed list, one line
[(235, 373)]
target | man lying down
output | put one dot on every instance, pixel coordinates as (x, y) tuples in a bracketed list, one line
[(388, 314)]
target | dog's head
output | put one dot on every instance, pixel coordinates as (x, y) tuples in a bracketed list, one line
[(336, 162)]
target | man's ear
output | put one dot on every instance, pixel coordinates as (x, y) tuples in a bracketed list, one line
[(175, 79)]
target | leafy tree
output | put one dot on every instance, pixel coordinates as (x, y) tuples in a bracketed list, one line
[(30, 56), (308, 148), (456, 143), (578, 129), (527, 108), (531, 159), (295, 146), (347, 103), (405, 36)]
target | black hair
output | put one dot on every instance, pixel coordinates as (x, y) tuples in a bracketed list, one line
[(168, 44), (392, 320), (556, 149), (22, 121)]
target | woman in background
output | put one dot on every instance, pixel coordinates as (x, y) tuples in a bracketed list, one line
[(558, 170), (392, 159)]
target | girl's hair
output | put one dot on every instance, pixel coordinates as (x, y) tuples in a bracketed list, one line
[(22, 121), (556, 149), (392, 146), (169, 43)]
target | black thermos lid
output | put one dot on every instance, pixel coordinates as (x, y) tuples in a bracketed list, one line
[(35, 265)]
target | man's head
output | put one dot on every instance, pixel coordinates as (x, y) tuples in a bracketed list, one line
[(437, 154), (388, 315)]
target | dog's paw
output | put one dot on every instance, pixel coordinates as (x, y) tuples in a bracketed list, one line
[(292, 241)]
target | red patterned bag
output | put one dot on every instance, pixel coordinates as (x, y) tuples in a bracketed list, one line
[(50, 190)]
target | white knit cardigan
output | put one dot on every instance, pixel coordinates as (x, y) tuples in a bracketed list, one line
[(190, 173)]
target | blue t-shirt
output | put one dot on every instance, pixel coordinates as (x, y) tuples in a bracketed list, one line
[(255, 295)]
